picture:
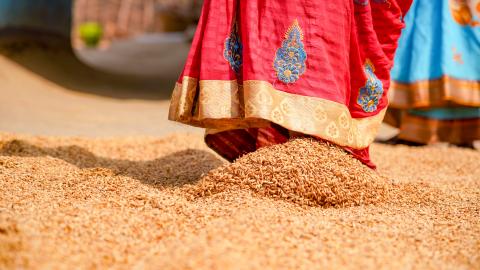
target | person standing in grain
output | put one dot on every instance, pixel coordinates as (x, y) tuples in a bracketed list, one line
[(261, 71), (435, 94)]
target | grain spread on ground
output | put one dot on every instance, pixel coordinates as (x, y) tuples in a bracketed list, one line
[(306, 172), (170, 203)]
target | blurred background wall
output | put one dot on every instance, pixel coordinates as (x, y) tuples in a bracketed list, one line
[(52, 82), (118, 18), (124, 18), (116, 36), (36, 15)]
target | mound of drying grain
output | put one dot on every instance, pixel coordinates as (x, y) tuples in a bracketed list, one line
[(304, 171), (119, 203)]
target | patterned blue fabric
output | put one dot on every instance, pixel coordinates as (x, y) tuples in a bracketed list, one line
[(291, 57), (448, 113), (372, 92), (233, 50), (441, 38)]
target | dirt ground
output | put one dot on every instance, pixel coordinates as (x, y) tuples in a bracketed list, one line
[(48, 91)]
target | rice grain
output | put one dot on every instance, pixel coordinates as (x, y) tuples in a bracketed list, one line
[(124, 203)]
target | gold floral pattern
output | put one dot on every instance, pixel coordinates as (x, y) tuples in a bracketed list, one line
[(213, 105), (343, 120), (181, 105), (224, 105), (332, 131), (350, 136), (277, 116), (286, 107), (319, 114)]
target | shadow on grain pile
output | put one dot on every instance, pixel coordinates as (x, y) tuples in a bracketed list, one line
[(303, 171), (309, 172), (172, 170)]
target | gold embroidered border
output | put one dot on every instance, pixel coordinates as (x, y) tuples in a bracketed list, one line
[(223, 105), (182, 101), (439, 92), (424, 130)]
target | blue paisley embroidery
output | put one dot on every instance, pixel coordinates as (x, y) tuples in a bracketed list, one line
[(233, 49), (291, 57), (372, 92)]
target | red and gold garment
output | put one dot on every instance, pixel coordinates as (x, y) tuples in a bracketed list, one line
[(261, 71)]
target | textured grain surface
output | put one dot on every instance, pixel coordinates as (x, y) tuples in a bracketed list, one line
[(312, 173), (127, 202)]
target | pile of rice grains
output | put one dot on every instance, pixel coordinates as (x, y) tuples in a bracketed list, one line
[(172, 204), (304, 171)]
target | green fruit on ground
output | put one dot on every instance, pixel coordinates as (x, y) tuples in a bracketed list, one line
[(91, 33)]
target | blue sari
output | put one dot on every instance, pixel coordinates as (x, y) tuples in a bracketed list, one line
[(435, 91)]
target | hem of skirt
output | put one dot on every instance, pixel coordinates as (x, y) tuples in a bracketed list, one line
[(224, 105), (425, 130), (441, 92), (232, 144)]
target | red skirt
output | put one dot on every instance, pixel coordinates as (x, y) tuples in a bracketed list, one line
[(261, 71)]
